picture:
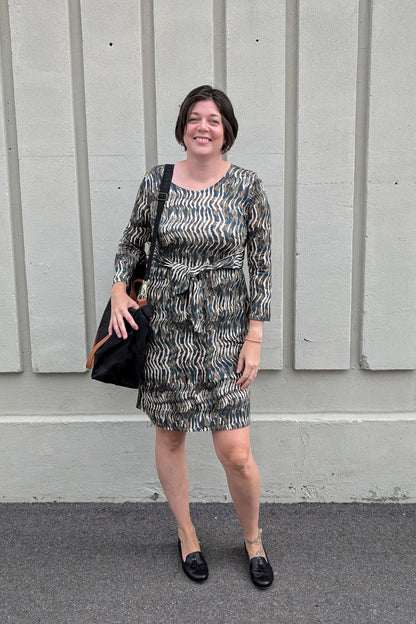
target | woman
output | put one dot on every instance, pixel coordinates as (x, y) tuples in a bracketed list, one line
[(207, 331)]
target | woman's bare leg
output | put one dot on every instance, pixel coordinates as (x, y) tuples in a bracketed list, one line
[(234, 452), (173, 474)]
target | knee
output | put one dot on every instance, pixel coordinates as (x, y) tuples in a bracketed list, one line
[(236, 459), (170, 441)]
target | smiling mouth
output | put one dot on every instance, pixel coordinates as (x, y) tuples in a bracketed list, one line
[(202, 139)]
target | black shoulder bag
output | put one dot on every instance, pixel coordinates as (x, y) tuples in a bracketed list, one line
[(120, 361)]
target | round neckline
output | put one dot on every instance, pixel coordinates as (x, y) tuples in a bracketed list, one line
[(182, 188)]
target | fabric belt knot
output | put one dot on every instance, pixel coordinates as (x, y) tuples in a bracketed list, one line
[(184, 279)]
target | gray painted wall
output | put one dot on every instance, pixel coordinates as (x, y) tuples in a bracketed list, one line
[(325, 93)]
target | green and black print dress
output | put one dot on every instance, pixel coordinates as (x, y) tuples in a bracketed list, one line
[(198, 289)]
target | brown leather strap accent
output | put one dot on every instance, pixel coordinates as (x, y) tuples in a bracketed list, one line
[(132, 293), (90, 361)]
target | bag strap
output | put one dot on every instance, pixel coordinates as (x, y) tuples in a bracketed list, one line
[(162, 197)]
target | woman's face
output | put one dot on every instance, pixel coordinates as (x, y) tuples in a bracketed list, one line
[(204, 132)]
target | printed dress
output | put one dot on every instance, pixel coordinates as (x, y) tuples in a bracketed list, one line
[(198, 289)]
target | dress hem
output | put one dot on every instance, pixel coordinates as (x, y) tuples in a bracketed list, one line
[(240, 425)]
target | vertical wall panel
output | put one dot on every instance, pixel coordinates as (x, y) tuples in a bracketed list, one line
[(115, 128), (389, 323), (327, 93), (49, 196), (184, 60), (10, 354), (259, 98)]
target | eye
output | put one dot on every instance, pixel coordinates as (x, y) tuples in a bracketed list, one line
[(193, 119)]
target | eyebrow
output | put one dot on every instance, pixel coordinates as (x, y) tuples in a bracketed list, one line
[(211, 115)]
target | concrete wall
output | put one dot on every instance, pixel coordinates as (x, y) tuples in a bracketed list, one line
[(325, 94)]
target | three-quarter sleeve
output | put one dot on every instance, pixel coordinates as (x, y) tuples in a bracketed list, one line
[(131, 248), (259, 253)]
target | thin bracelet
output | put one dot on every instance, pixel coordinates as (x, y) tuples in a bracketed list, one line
[(253, 340)]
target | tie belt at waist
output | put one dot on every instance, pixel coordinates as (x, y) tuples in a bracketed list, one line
[(183, 280)]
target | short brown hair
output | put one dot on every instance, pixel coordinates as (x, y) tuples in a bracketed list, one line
[(205, 92)]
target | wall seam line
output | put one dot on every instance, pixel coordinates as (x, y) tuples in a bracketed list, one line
[(290, 181), (82, 166), (360, 183), (148, 62), (15, 198), (219, 23)]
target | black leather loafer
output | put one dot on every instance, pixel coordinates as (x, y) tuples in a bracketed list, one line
[(194, 565), (261, 571)]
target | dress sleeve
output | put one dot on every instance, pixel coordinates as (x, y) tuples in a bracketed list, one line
[(259, 253), (131, 248)]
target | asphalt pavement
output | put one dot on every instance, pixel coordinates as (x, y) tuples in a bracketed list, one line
[(101, 563)]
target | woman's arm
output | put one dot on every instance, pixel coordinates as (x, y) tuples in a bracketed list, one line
[(259, 253), (259, 267), (131, 248), (131, 251)]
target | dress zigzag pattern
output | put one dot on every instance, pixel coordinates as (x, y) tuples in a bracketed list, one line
[(198, 289)]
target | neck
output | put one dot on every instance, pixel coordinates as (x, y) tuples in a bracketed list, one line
[(206, 169)]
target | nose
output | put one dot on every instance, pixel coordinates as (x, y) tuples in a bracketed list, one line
[(203, 124)]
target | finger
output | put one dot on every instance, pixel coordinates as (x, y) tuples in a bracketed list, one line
[(248, 377), (248, 383), (244, 382), (245, 375), (119, 327), (240, 365), (118, 331), (113, 326), (131, 320)]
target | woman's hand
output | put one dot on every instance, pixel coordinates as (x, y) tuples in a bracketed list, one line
[(249, 360), (120, 304), (248, 363)]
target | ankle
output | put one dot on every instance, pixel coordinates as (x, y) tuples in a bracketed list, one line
[(254, 544), (186, 532), (254, 537), (188, 541)]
